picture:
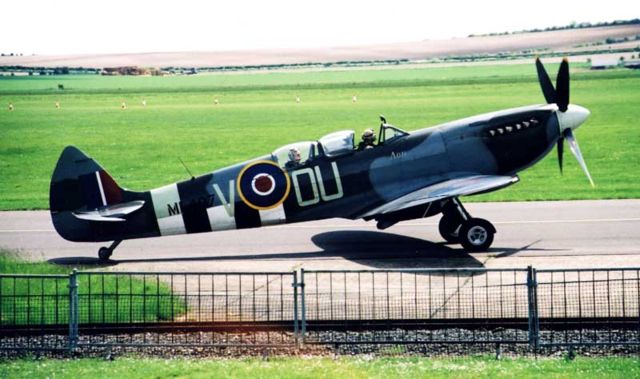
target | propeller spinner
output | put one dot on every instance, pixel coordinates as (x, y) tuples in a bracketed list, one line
[(570, 116)]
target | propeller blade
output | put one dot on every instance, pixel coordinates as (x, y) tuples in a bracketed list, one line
[(575, 149), (545, 83), (562, 86), (560, 148)]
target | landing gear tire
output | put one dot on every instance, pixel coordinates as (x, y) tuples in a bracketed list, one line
[(449, 227), (104, 253), (476, 234)]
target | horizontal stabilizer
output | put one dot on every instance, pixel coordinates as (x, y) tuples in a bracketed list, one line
[(112, 213)]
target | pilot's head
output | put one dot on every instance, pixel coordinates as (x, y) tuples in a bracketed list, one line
[(369, 136), (294, 155)]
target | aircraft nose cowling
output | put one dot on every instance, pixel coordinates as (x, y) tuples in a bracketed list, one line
[(573, 117)]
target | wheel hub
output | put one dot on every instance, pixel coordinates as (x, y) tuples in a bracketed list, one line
[(477, 235)]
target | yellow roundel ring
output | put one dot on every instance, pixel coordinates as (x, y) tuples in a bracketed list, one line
[(263, 185)]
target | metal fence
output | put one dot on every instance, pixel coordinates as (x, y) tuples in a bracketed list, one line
[(587, 307), (186, 309), (529, 308), (35, 312), (421, 306)]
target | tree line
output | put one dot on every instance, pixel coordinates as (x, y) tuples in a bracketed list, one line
[(573, 25)]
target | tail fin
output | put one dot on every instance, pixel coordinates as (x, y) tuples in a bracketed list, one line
[(80, 184), (87, 205)]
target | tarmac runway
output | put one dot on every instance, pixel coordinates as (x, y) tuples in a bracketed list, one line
[(571, 234)]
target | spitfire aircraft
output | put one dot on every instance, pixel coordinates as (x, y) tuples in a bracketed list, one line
[(401, 177)]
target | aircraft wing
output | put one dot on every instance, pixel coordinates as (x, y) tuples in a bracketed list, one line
[(113, 213), (468, 185)]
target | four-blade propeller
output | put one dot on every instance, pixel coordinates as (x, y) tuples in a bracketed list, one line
[(569, 116)]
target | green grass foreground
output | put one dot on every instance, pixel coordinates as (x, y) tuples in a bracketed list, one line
[(315, 367), (141, 147), (112, 298)]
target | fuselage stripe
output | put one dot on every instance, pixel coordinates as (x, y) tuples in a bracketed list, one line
[(193, 204), (166, 204), (273, 216), (220, 219)]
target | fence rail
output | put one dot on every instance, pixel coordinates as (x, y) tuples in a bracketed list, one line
[(533, 308)]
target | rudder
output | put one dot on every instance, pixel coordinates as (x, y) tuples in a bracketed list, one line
[(79, 183)]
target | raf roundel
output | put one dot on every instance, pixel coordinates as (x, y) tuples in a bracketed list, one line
[(263, 185)]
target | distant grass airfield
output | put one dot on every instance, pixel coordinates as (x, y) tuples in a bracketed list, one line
[(257, 112)]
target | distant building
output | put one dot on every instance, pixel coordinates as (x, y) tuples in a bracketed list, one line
[(603, 63), (14, 73), (633, 64)]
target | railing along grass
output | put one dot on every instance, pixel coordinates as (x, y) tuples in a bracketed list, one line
[(37, 293)]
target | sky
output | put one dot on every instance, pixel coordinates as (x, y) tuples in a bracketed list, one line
[(131, 26)]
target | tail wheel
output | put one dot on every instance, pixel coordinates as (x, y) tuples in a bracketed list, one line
[(104, 253), (449, 227), (476, 234)]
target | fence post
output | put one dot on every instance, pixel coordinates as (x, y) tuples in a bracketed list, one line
[(73, 310), (532, 300), (295, 304), (303, 305)]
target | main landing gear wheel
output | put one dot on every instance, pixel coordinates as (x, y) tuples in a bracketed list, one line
[(476, 234), (104, 253), (449, 227)]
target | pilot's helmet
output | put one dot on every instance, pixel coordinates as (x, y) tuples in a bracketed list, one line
[(294, 155), (369, 136)]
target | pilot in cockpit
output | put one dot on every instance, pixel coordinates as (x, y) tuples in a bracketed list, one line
[(368, 139), (294, 159)]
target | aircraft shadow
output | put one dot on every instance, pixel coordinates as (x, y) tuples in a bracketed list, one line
[(379, 250), (382, 250)]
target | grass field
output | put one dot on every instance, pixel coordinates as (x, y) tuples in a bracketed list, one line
[(141, 146), (348, 367), (113, 298)]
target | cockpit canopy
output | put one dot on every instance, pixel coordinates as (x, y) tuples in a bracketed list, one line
[(338, 143), (332, 145), (308, 151), (389, 133)]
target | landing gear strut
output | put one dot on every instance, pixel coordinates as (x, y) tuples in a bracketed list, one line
[(453, 215), (457, 226), (104, 253)]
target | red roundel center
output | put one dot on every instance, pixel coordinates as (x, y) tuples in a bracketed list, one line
[(263, 183)]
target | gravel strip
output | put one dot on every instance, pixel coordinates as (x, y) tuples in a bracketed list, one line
[(396, 342)]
